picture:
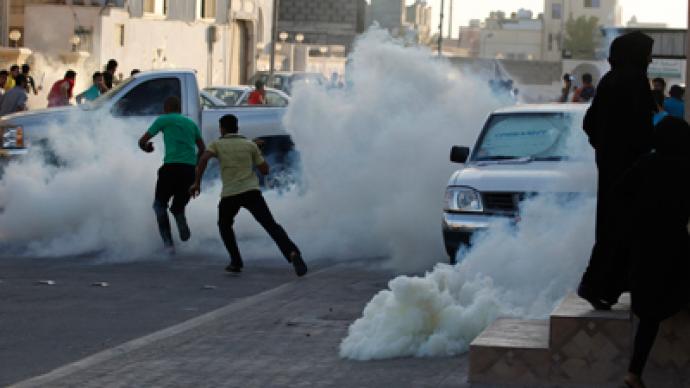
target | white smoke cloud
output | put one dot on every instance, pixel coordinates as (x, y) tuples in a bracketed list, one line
[(511, 271), (375, 166)]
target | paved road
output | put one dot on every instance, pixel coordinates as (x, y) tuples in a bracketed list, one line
[(287, 336), (43, 327)]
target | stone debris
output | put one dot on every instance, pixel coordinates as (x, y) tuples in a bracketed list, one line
[(46, 282), (100, 284), (209, 287)]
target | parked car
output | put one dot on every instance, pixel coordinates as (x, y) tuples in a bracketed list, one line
[(136, 103), (285, 80), (239, 95), (521, 151)]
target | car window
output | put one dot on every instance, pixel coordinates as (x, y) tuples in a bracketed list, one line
[(275, 99), (244, 100), (511, 136), (147, 98), (229, 96), (278, 82)]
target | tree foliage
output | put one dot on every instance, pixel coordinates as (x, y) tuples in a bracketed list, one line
[(581, 38)]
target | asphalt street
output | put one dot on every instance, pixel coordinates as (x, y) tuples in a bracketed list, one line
[(45, 326)]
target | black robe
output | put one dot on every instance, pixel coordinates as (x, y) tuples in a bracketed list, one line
[(657, 188), (619, 127)]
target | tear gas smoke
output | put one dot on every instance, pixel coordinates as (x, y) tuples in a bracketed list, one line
[(510, 272), (374, 159)]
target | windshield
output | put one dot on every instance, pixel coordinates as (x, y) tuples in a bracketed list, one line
[(105, 97), (533, 136)]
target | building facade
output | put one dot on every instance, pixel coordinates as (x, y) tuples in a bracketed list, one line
[(516, 37), (558, 12), (217, 38), (322, 22)]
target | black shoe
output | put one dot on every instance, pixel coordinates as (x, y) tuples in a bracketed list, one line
[(233, 268), (299, 264), (182, 226), (598, 303)]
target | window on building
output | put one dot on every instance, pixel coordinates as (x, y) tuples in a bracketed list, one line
[(592, 3), (120, 34), (149, 6), (208, 9), (147, 98), (556, 11)]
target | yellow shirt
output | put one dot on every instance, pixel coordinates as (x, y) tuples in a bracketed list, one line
[(9, 84), (237, 156)]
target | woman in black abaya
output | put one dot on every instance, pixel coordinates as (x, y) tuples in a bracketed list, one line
[(619, 127)]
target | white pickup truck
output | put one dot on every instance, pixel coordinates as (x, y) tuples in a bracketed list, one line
[(521, 151), (140, 100)]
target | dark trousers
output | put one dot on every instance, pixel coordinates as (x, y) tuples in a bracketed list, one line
[(644, 341), (174, 181), (254, 202)]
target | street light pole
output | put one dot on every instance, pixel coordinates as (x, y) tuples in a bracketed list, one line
[(440, 30), (274, 38)]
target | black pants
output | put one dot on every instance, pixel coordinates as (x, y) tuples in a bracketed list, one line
[(254, 202), (174, 181), (644, 341)]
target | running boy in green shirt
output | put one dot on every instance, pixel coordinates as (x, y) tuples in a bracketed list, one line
[(182, 138), (238, 157)]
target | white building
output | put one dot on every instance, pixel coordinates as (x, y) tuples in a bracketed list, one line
[(517, 37), (558, 12), (218, 38)]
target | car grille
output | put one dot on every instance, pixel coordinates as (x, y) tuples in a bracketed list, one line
[(502, 202)]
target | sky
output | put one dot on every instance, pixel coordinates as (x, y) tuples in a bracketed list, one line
[(672, 12)]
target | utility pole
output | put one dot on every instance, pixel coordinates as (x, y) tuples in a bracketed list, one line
[(440, 31), (450, 20), (274, 38)]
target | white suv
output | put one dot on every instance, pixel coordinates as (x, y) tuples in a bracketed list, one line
[(521, 151)]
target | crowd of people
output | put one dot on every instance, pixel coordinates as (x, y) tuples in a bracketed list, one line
[(17, 84), (643, 200)]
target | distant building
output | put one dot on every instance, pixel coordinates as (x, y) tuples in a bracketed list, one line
[(557, 13), (469, 38), (389, 14), (418, 19), (516, 37), (323, 22)]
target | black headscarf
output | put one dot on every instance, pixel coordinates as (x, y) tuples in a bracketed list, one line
[(631, 50)]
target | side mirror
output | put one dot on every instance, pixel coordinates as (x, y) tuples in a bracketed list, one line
[(459, 154)]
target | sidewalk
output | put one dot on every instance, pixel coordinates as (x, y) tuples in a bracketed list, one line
[(285, 337)]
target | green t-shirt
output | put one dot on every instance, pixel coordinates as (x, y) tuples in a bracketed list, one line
[(237, 157), (179, 136)]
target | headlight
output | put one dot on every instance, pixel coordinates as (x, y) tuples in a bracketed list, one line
[(463, 199), (12, 137)]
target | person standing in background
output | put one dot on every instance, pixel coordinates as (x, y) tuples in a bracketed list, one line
[(109, 73), (567, 86), (586, 92), (95, 90), (659, 84), (674, 104), (30, 83), (15, 99), (258, 95), (3, 79), (62, 90), (14, 72)]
